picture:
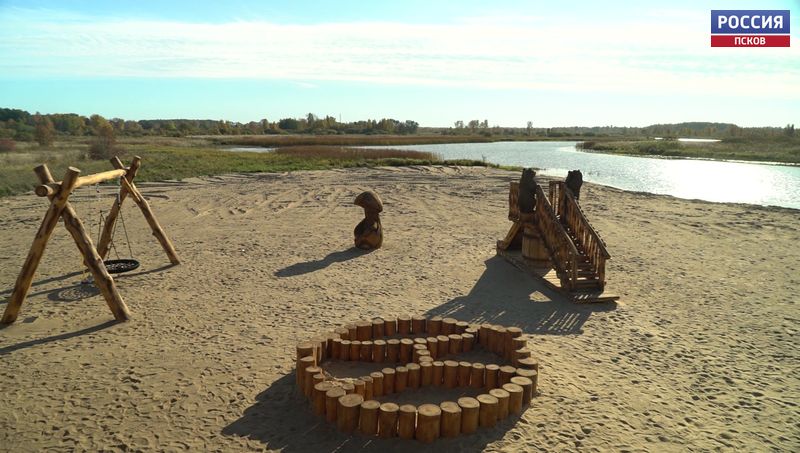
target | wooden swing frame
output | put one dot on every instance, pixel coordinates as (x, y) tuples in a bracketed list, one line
[(58, 193)]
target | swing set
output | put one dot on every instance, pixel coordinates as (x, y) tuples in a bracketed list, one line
[(58, 193)]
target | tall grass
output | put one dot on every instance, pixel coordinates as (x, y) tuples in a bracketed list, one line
[(179, 162), (782, 150)]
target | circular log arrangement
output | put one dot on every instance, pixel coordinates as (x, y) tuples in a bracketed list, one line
[(416, 353)]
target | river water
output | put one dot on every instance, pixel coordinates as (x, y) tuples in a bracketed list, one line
[(720, 181)]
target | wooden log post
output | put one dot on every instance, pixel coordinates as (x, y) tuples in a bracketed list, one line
[(514, 397), (464, 372), (58, 201), (434, 327), (461, 327), (406, 346), (369, 387), (470, 411), (406, 421), (433, 348), (364, 330), (522, 353), (360, 387), (355, 350), (443, 346), (392, 350), (344, 353), (483, 335), (528, 363), (388, 380), (320, 390), (502, 402), (448, 326), (492, 371), (332, 402), (352, 332), (368, 417), (426, 373), (511, 333), (438, 373), (414, 376), (348, 387), (300, 370), (387, 420), (419, 354), (400, 379), (467, 341), (404, 327), (505, 374), (476, 375), (455, 343), (347, 411), (379, 351), (336, 348), (390, 326), (527, 389), (308, 379), (418, 325), (429, 418), (533, 375), (450, 377), (366, 351), (378, 329), (104, 244), (377, 384), (451, 419), (488, 411)]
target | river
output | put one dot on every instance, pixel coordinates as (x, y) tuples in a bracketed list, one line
[(719, 181)]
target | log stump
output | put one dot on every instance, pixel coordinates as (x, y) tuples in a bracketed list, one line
[(428, 423), (387, 420), (406, 421), (514, 397), (470, 410), (347, 411), (502, 402), (368, 417), (527, 389), (331, 403), (488, 410), (451, 419)]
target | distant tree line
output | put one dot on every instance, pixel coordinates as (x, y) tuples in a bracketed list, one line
[(20, 125)]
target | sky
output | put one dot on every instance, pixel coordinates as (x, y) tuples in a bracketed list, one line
[(586, 63)]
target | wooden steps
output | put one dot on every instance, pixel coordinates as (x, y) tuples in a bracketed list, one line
[(545, 271)]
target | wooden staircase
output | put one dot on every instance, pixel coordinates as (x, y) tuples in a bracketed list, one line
[(577, 254)]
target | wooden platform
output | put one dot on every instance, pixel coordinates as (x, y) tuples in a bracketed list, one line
[(545, 272)]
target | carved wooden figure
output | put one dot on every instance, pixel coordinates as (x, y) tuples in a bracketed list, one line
[(369, 232)]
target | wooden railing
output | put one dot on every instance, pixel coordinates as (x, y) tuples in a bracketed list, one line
[(563, 252), (571, 215)]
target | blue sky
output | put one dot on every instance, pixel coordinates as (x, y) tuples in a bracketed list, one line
[(581, 63)]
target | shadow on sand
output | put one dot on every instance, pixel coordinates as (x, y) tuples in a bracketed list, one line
[(313, 266), (507, 296), (62, 336), (283, 420)]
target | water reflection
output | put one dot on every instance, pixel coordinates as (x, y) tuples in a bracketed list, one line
[(734, 182)]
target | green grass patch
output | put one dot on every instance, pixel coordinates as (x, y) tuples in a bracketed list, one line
[(179, 162), (774, 149)]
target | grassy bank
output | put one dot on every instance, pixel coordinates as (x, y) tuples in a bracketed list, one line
[(778, 149), (166, 162)]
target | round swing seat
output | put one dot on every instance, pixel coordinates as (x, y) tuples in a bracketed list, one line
[(120, 266)]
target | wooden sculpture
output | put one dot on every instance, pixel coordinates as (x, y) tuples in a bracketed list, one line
[(574, 182), (368, 234)]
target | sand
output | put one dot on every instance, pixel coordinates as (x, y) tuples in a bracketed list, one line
[(701, 353)]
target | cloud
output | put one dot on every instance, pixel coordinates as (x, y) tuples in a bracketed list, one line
[(659, 54)]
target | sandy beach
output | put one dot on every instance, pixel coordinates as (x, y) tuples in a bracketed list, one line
[(701, 353)]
